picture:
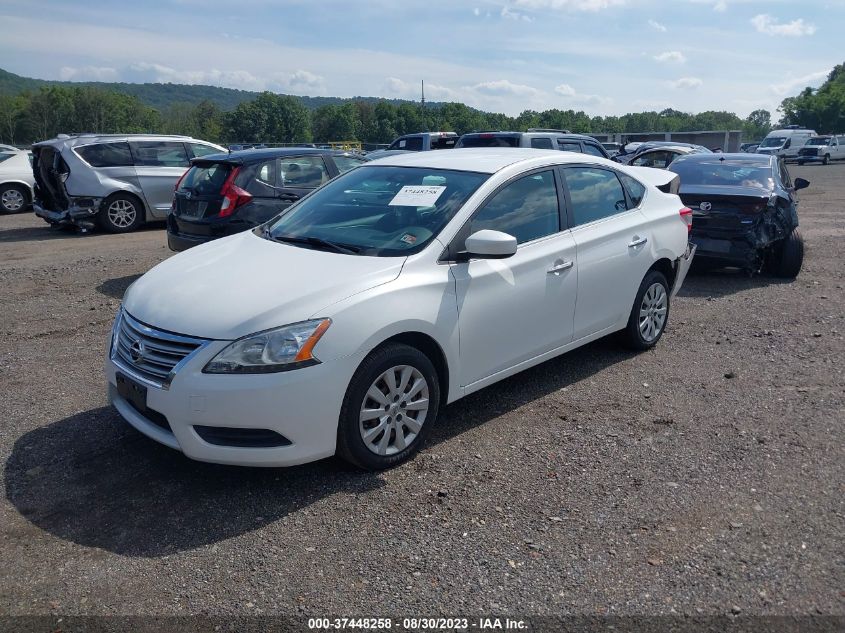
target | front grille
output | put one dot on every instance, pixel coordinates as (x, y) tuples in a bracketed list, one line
[(807, 151), (148, 352)]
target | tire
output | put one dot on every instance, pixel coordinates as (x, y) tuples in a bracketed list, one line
[(801, 163), (789, 256), (649, 314), (826, 160), (120, 213), (385, 437), (13, 199)]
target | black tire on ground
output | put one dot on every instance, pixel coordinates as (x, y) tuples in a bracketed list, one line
[(120, 213), (826, 160), (12, 195), (350, 443), (801, 163), (632, 336), (789, 256)]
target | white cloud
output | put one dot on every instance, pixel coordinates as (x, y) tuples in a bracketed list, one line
[(686, 83), (765, 23), (476, 11), (576, 5), (671, 57), (88, 73), (657, 26), (721, 6), (304, 80), (791, 86), (573, 97), (505, 87), (514, 15)]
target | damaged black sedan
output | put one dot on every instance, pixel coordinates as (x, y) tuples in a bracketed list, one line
[(744, 211)]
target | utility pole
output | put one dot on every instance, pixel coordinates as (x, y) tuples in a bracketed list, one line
[(422, 106)]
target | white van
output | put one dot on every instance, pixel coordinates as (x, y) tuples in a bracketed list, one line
[(785, 143), (822, 149)]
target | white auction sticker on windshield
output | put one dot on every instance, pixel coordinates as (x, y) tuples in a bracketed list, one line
[(417, 196)]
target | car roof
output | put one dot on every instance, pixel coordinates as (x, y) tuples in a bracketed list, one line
[(487, 160), (248, 155), (73, 140), (760, 160)]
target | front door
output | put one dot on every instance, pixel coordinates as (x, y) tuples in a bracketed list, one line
[(512, 310)]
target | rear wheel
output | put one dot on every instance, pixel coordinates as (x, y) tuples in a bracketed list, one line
[(826, 160), (13, 199), (391, 403), (789, 256), (649, 313), (120, 213)]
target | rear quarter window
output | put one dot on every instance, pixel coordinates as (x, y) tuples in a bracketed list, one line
[(106, 154), (636, 189)]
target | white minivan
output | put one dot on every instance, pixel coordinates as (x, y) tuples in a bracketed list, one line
[(822, 149), (785, 143)]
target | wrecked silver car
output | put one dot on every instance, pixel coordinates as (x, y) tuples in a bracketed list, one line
[(744, 211), (116, 182)]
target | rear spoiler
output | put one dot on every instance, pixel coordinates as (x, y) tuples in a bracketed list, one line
[(665, 180)]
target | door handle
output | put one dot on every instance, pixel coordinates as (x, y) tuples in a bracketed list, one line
[(288, 197), (560, 267), (637, 241)]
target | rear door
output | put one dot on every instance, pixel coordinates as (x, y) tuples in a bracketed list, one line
[(159, 165), (613, 247), (299, 176)]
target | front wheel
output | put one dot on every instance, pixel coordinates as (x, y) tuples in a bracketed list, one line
[(13, 199), (390, 405), (789, 256), (120, 213), (826, 160), (649, 313)]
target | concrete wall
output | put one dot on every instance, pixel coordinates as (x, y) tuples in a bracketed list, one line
[(729, 141)]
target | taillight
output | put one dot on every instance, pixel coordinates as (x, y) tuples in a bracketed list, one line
[(233, 196), (686, 216)]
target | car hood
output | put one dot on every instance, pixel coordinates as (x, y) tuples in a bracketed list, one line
[(243, 284)]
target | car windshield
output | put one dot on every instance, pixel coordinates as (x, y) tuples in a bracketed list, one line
[(719, 173), (384, 211), (773, 141), (819, 141)]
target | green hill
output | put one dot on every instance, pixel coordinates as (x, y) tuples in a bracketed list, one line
[(160, 96)]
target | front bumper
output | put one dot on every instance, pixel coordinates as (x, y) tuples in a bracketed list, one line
[(302, 405), (80, 212), (684, 263), (812, 158)]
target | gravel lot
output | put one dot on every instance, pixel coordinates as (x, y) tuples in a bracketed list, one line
[(703, 477)]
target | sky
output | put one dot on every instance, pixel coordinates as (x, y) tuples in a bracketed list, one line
[(602, 56)]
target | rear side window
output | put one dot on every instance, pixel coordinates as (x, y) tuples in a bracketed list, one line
[(541, 143), (5, 157), (636, 189), (106, 154), (413, 143), (307, 172), (526, 208), (595, 194), (443, 142), (204, 180), (198, 150), (159, 154), (565, 146), (658, 159), (593, 150), (259, 179), (345, 163), (489, 140)]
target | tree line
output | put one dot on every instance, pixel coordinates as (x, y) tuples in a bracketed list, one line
[(273, 118)]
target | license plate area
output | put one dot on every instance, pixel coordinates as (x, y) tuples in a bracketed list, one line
[(193, 208), (133, 392)]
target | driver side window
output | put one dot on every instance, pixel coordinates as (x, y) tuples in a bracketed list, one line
[(526, 208), (595, 194)]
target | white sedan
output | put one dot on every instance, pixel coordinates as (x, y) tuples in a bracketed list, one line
[(16, 180), (345, 325)]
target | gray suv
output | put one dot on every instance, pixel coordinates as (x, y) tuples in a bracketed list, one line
[(114, 181), (538, 138)]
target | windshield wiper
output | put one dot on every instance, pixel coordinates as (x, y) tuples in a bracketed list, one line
[(348, 249)]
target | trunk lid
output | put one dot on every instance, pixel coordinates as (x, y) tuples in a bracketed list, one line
[(198, 195)]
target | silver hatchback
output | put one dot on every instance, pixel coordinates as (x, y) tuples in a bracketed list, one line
[(116, 182)]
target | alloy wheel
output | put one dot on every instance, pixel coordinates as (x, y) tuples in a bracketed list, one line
[(653, 311), (394, 410), (121, 213)]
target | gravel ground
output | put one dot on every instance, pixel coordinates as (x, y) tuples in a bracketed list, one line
[(702, 477)]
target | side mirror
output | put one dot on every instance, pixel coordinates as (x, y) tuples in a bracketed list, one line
[(801, 183), (488, 244)]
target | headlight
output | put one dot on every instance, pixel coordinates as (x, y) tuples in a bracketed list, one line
[(280, 349)]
